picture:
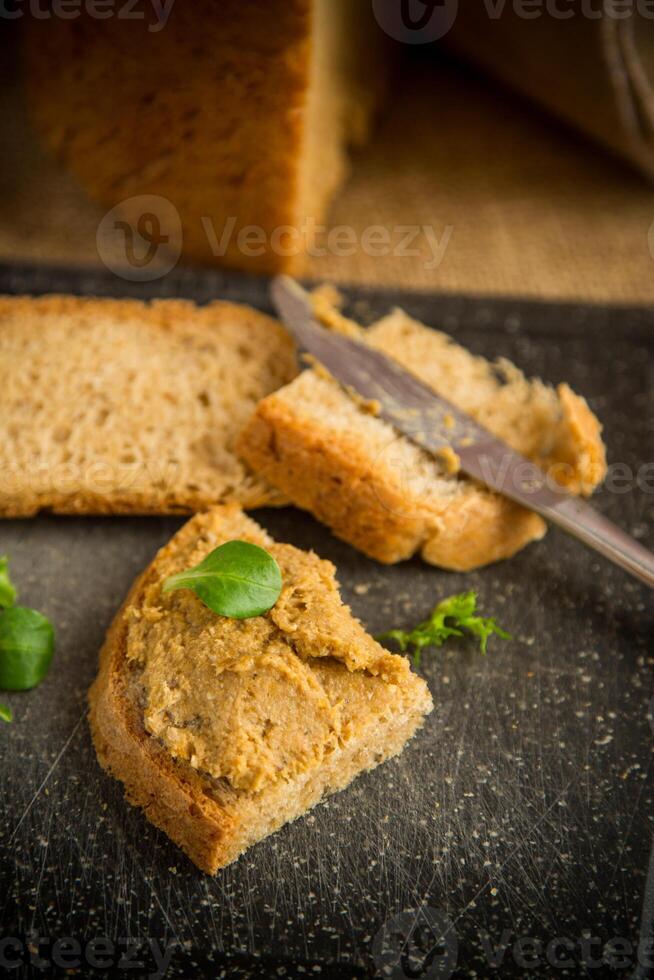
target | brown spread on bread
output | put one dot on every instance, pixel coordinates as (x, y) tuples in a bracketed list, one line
[(242, 699)]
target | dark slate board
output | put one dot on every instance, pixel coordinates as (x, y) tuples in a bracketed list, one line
[(522, 810)]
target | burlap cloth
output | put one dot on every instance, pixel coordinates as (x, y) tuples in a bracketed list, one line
[(516, 203)]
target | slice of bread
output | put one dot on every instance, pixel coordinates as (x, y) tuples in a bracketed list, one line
[(383, 494), (223, 730), (116, 406)]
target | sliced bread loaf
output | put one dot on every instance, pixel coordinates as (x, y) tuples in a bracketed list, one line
[(111, 406), (222, 730), (377, 490), (237, 115)]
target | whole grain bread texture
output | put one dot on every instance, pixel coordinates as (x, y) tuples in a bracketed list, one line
[(223, 730), (123, 407), (235, 116), (385, 495)]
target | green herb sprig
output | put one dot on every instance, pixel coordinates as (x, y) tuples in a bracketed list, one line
[(27, 642), (8, 593), (449, 618), (237, 579)]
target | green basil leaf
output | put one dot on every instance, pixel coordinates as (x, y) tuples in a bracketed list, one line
[(237, 579), (5, 713), (26, 647), (7, 589)]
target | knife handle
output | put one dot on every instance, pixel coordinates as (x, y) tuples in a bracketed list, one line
[(597, 531)]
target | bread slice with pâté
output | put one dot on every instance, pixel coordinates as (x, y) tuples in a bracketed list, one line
[(223, 730), (122, 407), (374, 488)]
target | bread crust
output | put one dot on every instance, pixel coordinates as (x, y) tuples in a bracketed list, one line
[(170, 793), (104, 487), (212, 822)]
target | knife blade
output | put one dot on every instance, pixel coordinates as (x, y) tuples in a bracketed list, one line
[(439, 427)]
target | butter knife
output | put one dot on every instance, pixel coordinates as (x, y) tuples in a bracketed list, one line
[(437, 425)]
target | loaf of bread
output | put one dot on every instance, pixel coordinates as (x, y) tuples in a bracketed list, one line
[(238, 114), (382, 493), (223, 730), (113, 406)]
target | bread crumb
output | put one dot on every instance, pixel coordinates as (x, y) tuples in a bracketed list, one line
[(449, 459), (327, 302), (327, 294), (371, 407), (316, 366)]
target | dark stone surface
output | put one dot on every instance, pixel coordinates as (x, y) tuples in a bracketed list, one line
[(523, 809)]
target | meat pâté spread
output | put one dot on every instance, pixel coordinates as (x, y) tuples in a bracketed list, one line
[(256, 700)]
